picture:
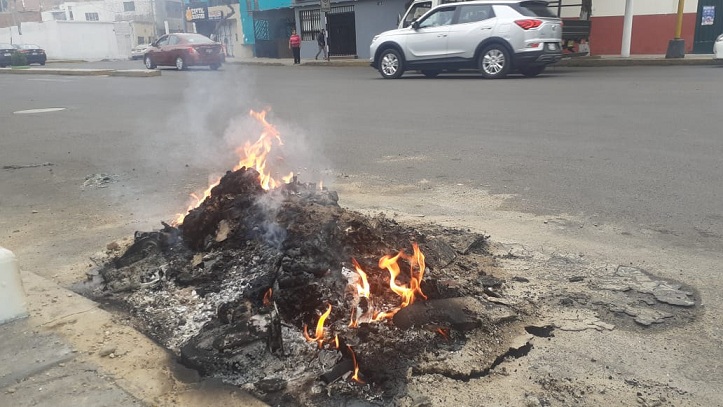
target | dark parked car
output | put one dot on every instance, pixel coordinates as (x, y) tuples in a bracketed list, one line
[(6, 54), (33, 53), (184, 50)]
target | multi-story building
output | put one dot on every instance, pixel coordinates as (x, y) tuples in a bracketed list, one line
[(149, 18)]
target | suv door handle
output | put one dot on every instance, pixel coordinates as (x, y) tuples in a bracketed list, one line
[(486, 28), (441, 35)]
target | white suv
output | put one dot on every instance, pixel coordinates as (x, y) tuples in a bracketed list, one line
[(496, 37)]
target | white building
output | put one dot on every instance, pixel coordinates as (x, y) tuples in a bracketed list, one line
[(149, 19)]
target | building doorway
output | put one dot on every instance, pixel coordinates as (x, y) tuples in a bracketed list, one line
[(342, 32), (708, 25)]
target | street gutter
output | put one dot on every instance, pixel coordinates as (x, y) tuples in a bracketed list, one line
[(134, 73)]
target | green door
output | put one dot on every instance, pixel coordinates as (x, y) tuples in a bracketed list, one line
[(708, 25)]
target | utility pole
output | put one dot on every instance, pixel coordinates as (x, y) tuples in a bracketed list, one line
[(627, 29), (676, 46)]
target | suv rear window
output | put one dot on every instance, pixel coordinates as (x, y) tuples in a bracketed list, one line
[(534, 9)]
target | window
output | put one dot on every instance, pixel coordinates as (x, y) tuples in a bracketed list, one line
[(416, 11), (163, 41), (91, 16), (310, 24), (474, 13), (141, 40), (438, 18), (173, 40), (129, 6)]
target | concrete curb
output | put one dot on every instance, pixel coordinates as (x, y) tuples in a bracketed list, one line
[(133, 73), (614, 62)]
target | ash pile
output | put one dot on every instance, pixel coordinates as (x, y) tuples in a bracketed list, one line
[(302, 302)]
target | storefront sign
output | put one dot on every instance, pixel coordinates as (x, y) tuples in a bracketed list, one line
[(215, 15), (196, 13)]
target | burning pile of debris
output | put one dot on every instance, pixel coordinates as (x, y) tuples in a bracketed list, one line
[(278, 289)]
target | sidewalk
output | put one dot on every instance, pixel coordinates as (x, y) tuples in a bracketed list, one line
[(589, 61), (71, 353)]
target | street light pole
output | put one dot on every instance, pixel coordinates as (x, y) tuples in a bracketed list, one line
[(676, 46), (627, 29)]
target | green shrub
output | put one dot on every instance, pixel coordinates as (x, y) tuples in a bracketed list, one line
[(18, 59)]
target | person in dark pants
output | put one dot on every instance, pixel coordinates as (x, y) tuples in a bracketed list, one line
[(295, 46), (321, 41)]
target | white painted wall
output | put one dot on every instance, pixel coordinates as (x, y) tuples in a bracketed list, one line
[(608, 8), (108, 10), (75, 39)]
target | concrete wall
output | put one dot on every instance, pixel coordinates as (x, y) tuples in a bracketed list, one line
[(651, 34), (75, 39), (609, 8), (372, 18)]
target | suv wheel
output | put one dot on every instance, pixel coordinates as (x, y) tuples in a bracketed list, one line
[(390, 64), (494, 62), (532, 71), (430, 73)]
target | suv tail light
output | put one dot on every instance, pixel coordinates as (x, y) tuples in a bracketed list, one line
[(528, 23)]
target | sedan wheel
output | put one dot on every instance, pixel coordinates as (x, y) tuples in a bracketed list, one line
[(214, 66), (181, 64), (149, 62), (494, 62), (390, 64)]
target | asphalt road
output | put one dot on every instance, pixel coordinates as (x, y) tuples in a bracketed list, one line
[(587, 169), (639, 147)]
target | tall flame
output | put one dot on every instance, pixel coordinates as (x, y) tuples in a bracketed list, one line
[(251, 156), (319, 336), (356, 367)]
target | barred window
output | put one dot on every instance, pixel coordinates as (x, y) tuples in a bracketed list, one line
[(310, 24), (91, 16)]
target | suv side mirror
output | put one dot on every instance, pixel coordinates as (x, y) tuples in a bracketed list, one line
[(415, 24)]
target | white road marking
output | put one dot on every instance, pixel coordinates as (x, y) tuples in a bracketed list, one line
[(46, 110)]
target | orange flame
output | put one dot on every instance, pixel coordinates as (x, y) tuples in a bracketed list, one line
[(356, 367), (255, 155), (252, 156), (363, 288), (336, 341), (319, 337), (415, 280), (444, 333), (267, 297)]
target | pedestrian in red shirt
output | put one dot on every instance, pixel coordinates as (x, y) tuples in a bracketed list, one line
[(295, 46)]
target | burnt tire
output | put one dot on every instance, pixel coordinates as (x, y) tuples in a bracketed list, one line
[(430, 73), (181, 64), (390, 64), (532, 71), (149, 62), (494, 62)]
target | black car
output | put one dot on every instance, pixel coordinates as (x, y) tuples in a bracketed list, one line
[(33, 53), (6, 54)]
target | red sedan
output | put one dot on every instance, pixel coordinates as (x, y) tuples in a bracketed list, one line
[(184, 50)]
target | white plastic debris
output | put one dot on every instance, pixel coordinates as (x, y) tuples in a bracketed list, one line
[(12, 296)]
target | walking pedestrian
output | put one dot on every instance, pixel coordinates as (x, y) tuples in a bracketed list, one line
[(321, 41), (295, 46)]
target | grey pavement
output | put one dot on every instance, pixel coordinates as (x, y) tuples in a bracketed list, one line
[(71, 353)]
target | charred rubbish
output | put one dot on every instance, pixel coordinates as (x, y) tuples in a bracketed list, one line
[(302, 302)]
